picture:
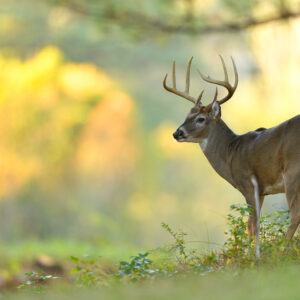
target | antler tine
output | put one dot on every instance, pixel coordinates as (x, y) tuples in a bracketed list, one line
[(174, 75), (236, 75), (231, 89), (209, 106), (199, 98), (211, 80), (174, 90), (224, 68), (216, 95), (188, 74)]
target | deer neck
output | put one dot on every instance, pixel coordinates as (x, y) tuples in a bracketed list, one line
[(216, 148)]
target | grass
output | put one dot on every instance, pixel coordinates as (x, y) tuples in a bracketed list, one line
[(259, 283), (63, 249), (177, 271)]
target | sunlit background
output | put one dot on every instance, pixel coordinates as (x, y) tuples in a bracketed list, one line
[(87, 155)]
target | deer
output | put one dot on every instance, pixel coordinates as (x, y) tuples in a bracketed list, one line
[(258, 163)]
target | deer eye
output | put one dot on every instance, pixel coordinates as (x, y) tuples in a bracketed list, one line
[(200, 120)]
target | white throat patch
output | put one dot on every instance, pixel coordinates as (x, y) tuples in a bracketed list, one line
[(203, 145)]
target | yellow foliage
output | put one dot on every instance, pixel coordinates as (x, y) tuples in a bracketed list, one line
[(107, 143), (47, 109), (14, 171), (81, 81), (39, 70)]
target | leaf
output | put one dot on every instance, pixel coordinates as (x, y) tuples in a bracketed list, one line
[(74, 258)]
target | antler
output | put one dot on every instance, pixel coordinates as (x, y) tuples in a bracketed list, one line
[(209, 106), (231, 89), (184, 94)]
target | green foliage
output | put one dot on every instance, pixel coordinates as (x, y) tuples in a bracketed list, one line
[(237, 254), (138, 268), (274, 226), (35, 282), (238, 249), (179, 244), (237, 241), (274, 248), (88, 272), (281, 283), (161, 17), (240, 7)]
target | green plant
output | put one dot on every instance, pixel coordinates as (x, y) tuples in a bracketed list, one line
[(179, 244), (237, 242), (138, 268), (35, 282), (88, 272), (273, 227), (190, 261), (237, 253), (238, 249)]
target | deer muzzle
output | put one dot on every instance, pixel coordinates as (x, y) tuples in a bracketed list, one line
[(178, 134)]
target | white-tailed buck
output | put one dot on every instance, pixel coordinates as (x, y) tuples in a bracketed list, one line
[(258, 163)]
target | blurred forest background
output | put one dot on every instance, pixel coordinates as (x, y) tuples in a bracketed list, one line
[(87, 155)]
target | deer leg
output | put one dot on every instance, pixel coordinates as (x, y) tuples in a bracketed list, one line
[(295, 221), (252, 225), (253, 218), (292, 187), (255, 201), (251, 232), (294, 206), (295, 216)]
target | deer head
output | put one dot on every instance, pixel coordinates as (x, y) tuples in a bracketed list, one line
[(201, 119)]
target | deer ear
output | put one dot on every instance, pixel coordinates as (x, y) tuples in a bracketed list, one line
[(216, 111)]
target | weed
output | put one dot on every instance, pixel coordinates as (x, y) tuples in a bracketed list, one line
[(237, 253), (138, 268), (35, 282), (88, 272), (179, 244)]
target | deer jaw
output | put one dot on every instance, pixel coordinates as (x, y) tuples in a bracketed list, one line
[(194, 129)]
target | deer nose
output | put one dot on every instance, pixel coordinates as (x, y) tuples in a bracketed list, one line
[(177, 134)]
